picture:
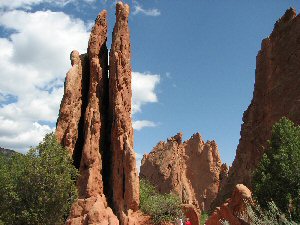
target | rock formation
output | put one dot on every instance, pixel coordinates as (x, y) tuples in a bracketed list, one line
[(191, 212), (95, 125), (234, 210), (276, 94), (126, 191), (190, 169)]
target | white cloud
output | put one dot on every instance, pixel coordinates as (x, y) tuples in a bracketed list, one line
[(143, 88), (27, 4), (138, 9), (33, 63), (140, 124)]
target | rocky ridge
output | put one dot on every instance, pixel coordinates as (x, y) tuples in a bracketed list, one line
[(276, 94), (191, 169), (6, 152), (95, 125)]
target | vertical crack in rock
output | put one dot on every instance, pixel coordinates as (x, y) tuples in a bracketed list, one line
[(125, 183), (95, 126), (276, 94)]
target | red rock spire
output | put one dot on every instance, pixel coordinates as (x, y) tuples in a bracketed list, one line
[(125, 182), (95, 125)]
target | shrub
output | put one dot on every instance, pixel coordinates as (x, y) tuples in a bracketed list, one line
[(161, 207), (269, 215), (277, 177), (204, 217), (37, 188)]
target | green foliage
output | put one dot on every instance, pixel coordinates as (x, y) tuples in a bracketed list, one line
[(37, 188), (277, 177), (204, 217), (269, 215), (161, 207)]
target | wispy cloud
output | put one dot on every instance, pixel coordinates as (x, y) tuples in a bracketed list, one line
[(140, 124), (138, 9), (27, 4)]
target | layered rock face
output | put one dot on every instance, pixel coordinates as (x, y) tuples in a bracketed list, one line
[(95, 125), (190, 169), (276, 94), (234, 210)]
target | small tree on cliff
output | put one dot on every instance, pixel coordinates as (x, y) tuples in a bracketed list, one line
[(37, 188), (277, 177)]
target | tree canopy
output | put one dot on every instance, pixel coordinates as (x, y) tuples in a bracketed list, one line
[(37, 188), (277, 177)]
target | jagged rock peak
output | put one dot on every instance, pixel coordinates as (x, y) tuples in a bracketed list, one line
[(177, 138), (288, 16), (190, 169), (98, 33), (276, 94), (122, 11)]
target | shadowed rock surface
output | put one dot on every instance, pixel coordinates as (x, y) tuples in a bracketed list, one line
[(190, 169), (234, 210), (95, 125), (6, 152), (276, 94)]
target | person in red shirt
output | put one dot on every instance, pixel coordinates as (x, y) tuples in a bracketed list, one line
[(188, 222)]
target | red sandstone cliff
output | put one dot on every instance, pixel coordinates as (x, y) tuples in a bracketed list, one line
[(190, 169), (95, 125), (276, 94)]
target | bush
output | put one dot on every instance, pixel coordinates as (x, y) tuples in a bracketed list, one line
[(37, 188), (161, 207), (204, 217), (277, 177), (270, 215)]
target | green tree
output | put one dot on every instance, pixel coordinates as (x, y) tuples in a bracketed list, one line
[(37, 188), (161, 207), (277, 177)]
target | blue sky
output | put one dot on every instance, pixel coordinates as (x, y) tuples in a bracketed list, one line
[(193, 63)]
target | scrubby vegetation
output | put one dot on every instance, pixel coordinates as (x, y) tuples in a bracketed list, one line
[(269, 215), (277, 177), (204, 217), (161, 207), (37, 188)]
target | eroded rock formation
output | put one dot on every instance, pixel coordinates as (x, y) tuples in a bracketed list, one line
[(190, 169), (95, 125), (276, 94), (126, 191), (234, 210)]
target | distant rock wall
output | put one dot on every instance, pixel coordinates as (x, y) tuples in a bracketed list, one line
[(95, 125), (190, 169), (276, 94)]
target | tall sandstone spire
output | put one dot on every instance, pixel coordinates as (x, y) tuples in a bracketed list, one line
[(276, 94), (126, 190), (95, 125)]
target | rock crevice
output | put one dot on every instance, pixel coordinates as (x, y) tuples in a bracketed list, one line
[(95, 125)]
